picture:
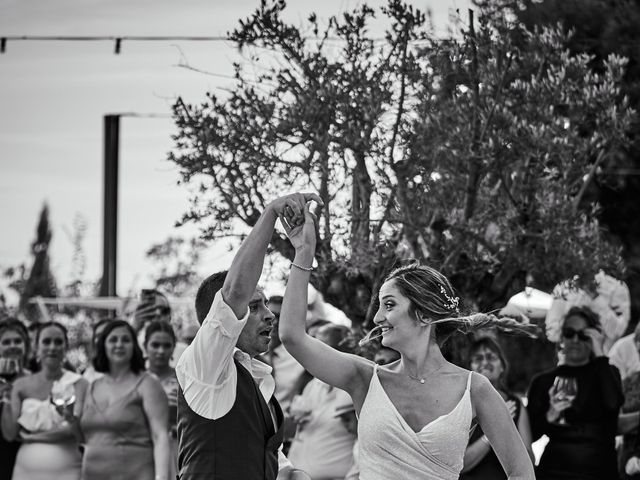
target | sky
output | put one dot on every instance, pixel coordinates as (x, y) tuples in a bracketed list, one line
[(53, 96)]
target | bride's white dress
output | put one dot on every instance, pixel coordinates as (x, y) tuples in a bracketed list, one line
[(391, 449)]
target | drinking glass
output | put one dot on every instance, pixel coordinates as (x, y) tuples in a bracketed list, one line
[(565, 388), (63, 398)]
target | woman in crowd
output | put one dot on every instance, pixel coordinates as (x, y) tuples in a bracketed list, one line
[(125, 415), (384, 356), (90, 373), (580, 422), (480, 461), (14, 355), (322, 446), (160, 342), (415, 414), (49, 450)]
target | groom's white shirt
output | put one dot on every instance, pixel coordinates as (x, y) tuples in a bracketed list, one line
[(207, 373)]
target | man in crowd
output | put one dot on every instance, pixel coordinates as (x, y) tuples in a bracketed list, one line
[(229, 422), (286, 369), (153, 305)]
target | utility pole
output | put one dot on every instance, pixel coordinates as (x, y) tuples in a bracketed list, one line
[(110, 212)]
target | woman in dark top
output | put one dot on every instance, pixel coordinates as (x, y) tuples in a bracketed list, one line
[(14, 352), (581, 432), (480, 462)]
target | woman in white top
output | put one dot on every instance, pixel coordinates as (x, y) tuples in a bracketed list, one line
[(415, 414), (49, 449)]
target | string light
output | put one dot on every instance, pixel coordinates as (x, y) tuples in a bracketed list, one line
[(155, 38)]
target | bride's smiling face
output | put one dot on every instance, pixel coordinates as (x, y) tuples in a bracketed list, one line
[(395, 316)]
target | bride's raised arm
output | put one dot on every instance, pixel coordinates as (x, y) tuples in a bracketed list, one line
[(345, 371)]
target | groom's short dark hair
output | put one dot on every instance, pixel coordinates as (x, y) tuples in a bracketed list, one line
[(207, 292)]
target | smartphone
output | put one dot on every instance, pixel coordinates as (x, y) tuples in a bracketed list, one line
[(147, 295)]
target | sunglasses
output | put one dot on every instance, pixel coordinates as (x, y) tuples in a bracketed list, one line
[(570, 333)]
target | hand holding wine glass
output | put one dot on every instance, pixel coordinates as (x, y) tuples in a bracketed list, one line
[(561, 396), (9, 368), (64, 400)]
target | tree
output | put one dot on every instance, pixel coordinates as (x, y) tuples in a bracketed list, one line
[(40, 281), (473, 154), (176, 261), (600, 28), (77, 286)]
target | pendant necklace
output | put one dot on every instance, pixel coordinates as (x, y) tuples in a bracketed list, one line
[(422, 379)]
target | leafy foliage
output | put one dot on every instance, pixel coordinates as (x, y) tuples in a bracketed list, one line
[(40, 281), (473, 154), (176, 259), (600, 28)]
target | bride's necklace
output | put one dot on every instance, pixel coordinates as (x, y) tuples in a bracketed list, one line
[(423, 379)]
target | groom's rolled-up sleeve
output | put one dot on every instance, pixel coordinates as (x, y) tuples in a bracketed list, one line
[(206, 371)]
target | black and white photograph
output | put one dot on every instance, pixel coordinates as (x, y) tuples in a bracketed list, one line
[(338, 240)]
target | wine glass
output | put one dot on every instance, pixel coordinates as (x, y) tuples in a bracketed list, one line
[(63, 398), (565, 389), (9, 368)]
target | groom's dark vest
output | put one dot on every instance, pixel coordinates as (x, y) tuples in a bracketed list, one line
[(242, 445)]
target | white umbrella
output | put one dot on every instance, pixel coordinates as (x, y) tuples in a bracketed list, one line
[(612, 304), (531, 302)]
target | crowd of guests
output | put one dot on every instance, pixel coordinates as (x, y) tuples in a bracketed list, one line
[(117, 418)]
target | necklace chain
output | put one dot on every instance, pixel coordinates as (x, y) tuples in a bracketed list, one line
[(422, 380)]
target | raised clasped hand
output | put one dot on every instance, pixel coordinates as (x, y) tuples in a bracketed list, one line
[(303, 236), (290, 208)]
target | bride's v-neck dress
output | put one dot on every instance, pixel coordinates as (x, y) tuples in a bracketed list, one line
[(391, 449)]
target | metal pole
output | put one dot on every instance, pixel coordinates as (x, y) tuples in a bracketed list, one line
[(110, 233)]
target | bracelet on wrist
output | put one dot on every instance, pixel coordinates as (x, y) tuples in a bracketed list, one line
[(306, 269)]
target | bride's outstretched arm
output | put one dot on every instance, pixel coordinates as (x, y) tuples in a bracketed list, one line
[(495, 420), (323, 362)]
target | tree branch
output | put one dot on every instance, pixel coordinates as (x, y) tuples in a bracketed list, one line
[(592, 171)]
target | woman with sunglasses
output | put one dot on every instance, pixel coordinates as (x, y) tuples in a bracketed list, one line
[(581, 426), (480, 461)]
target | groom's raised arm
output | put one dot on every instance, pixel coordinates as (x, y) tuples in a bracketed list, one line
[(244, 273)]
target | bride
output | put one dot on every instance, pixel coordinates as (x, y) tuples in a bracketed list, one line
[(416, 413)]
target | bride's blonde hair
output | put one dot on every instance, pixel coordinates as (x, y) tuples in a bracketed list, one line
[(433, 299)]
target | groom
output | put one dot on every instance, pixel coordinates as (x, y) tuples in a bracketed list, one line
[(229, 422)]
